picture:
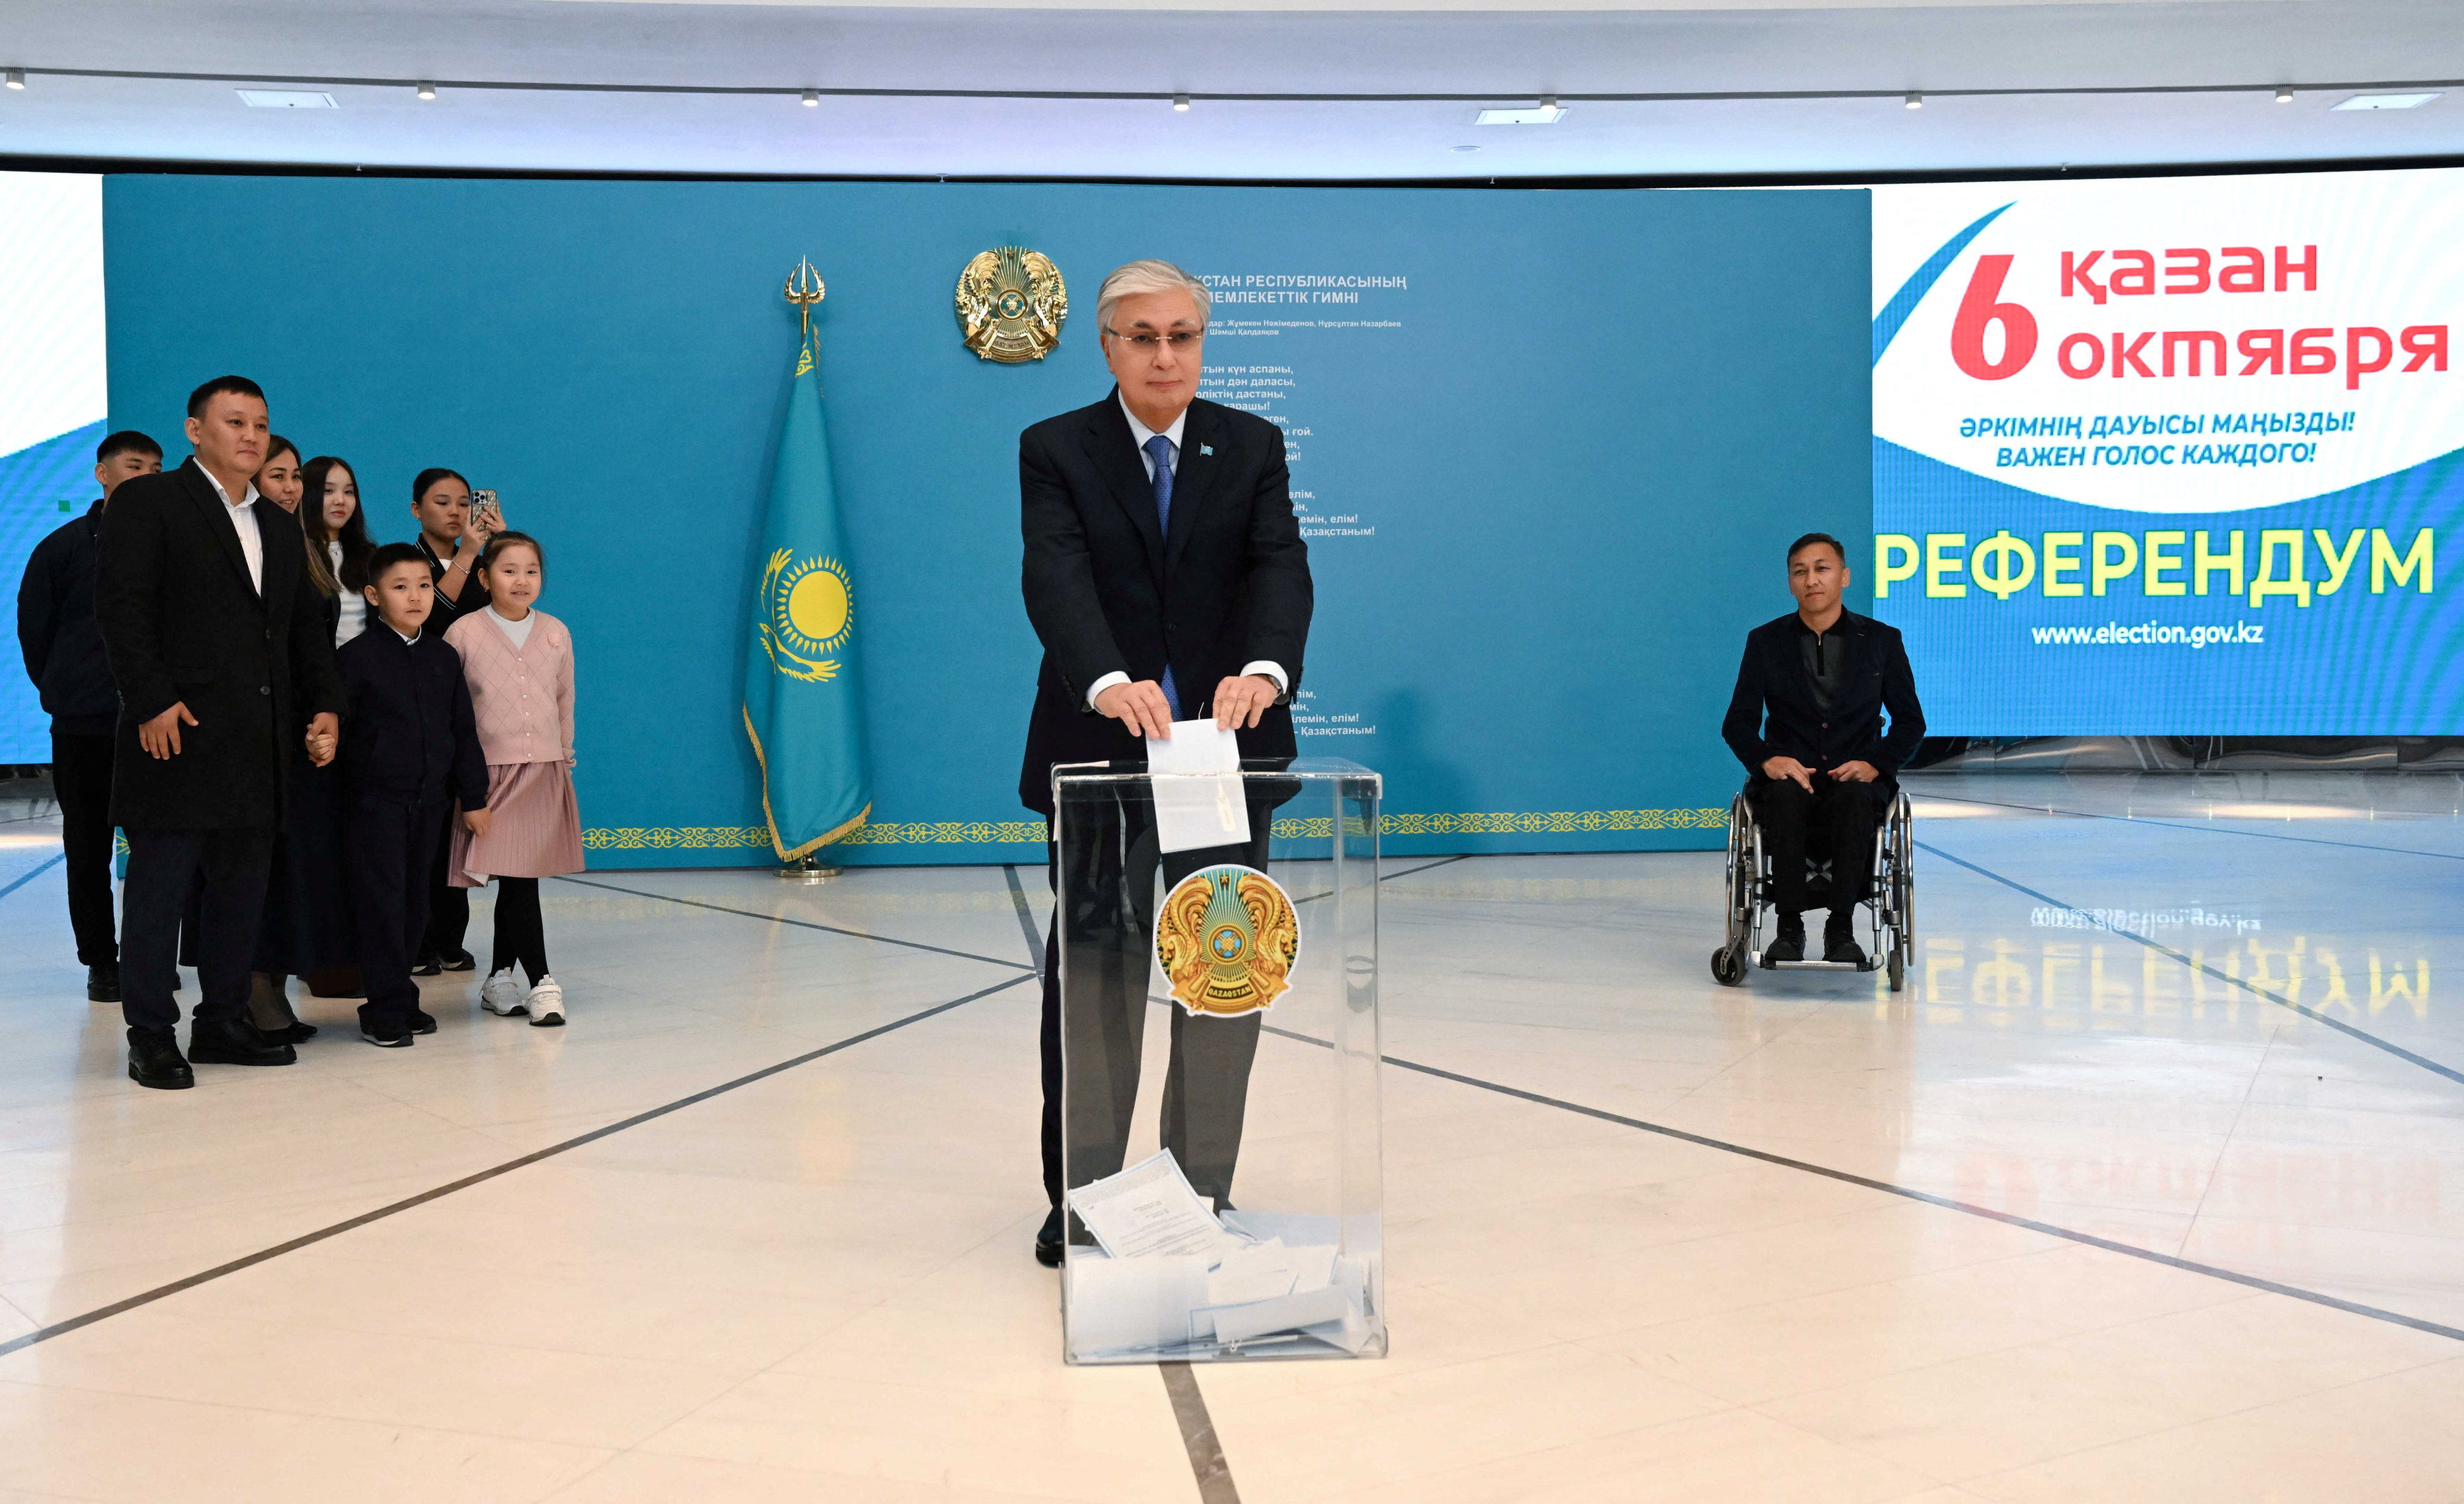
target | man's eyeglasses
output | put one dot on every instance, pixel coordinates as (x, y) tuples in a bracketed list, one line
[(1144, 344)]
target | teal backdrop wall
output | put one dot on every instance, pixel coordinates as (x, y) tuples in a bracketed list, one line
[(1547, 447)]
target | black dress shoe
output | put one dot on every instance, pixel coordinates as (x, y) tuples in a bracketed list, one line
[(1789, 943), (1047, 1241), (1839, 941), (154, 1060), (422, 1022), (236, 1041), (295, 1034), (102, 982), (458, 961), (425, 965)]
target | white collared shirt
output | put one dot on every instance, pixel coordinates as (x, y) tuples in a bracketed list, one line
[(1139, 435), (353, 619), (243, 521)]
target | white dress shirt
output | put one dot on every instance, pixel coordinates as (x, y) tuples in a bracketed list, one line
[(353, 618), (243, 521), (1139, 434)]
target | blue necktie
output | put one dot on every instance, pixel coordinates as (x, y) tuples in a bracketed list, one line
[(1159, 450)]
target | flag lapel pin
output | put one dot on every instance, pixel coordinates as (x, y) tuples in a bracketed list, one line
[(1207, 448)]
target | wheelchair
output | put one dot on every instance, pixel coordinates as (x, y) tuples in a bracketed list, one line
[(1889, 902)]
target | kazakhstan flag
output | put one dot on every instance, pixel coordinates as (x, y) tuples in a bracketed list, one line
[(803, 700)]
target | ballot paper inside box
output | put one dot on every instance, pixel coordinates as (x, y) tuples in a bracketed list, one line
[(1220, 1058)]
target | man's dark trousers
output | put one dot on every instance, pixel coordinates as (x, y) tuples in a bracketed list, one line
[(162, 864), (82, 781), (391, 846), (1112, 863), (1845, 813)]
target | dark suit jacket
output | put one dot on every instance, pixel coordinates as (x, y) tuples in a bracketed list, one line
[(1107, 592), (182, 622), (57, 628), (1772, 712), (408, 733)]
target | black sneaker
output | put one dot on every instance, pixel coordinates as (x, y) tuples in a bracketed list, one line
[(154, 1059), (425, 965), (1839, 941), (387, 1036), (1047, 1241), (422, 1022), (1789, 943), (102, 982), (458, 961)]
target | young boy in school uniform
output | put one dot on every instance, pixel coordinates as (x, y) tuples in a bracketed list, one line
[(408, 747)]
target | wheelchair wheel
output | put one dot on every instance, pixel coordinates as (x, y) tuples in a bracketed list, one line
[(1896, 967), (1728, 966)]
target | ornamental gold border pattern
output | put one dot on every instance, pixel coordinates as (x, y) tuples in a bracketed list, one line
[(945, 833)]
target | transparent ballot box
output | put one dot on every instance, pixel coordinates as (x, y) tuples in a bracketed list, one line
[(1217, 969)]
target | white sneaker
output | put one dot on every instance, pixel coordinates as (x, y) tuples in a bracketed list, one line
[(502, 993), (547, 1004)]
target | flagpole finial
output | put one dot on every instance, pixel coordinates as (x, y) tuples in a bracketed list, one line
[(804, 290)]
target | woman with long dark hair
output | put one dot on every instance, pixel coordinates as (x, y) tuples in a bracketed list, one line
[(307, 927), (339, 544)]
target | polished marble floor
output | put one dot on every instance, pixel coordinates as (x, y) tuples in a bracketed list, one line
[(2149, 1187)]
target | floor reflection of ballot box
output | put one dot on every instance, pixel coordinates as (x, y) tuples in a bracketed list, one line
[(1220, 1056)]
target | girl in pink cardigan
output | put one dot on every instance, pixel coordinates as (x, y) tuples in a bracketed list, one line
[(520, 664)]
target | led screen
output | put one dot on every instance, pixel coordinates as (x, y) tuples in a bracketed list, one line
[(51, 396), (2172, 456)]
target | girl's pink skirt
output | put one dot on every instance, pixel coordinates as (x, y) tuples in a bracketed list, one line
[(534, 829)]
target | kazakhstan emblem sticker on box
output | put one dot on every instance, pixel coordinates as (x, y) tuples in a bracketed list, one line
[(1228, 937)]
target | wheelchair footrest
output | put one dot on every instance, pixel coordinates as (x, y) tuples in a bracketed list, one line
[(1815, 965)]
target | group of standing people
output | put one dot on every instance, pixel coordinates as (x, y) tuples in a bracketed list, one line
[(315, 745)]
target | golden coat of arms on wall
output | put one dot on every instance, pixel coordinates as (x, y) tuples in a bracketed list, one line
[(1012, 304), (1228, 937)]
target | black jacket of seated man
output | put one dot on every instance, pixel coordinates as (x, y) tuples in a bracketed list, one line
[(1783, 708), (1108, 591)]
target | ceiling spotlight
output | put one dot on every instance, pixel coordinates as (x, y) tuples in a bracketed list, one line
[(1180, 102), (428, 91), (1466, 149), (1915, 102), (812, 99), (16, 77), (2285, 97)]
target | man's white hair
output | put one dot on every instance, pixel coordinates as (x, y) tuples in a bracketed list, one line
[(1140, 278)]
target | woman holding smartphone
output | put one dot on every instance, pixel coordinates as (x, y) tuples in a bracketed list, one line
[(454, 529)]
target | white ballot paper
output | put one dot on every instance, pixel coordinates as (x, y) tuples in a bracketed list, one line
[(1126, 1305), (1197, 780), (1149, 1209)]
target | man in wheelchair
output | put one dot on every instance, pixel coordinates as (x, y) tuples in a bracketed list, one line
[(1807, 722)]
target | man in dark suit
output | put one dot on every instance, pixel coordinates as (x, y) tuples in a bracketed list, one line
[(1807, 722), (64, 657), (1166, 577), (218, 644)]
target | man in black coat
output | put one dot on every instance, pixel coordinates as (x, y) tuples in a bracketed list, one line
[(1807, 722), (219, 644), (65, 658), (1166, 577)]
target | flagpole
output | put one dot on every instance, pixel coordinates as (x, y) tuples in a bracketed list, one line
[(803, 290)]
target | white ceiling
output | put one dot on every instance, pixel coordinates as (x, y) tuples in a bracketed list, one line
[(1497, 54)]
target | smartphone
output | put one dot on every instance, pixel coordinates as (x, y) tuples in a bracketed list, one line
[(485, 512)]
